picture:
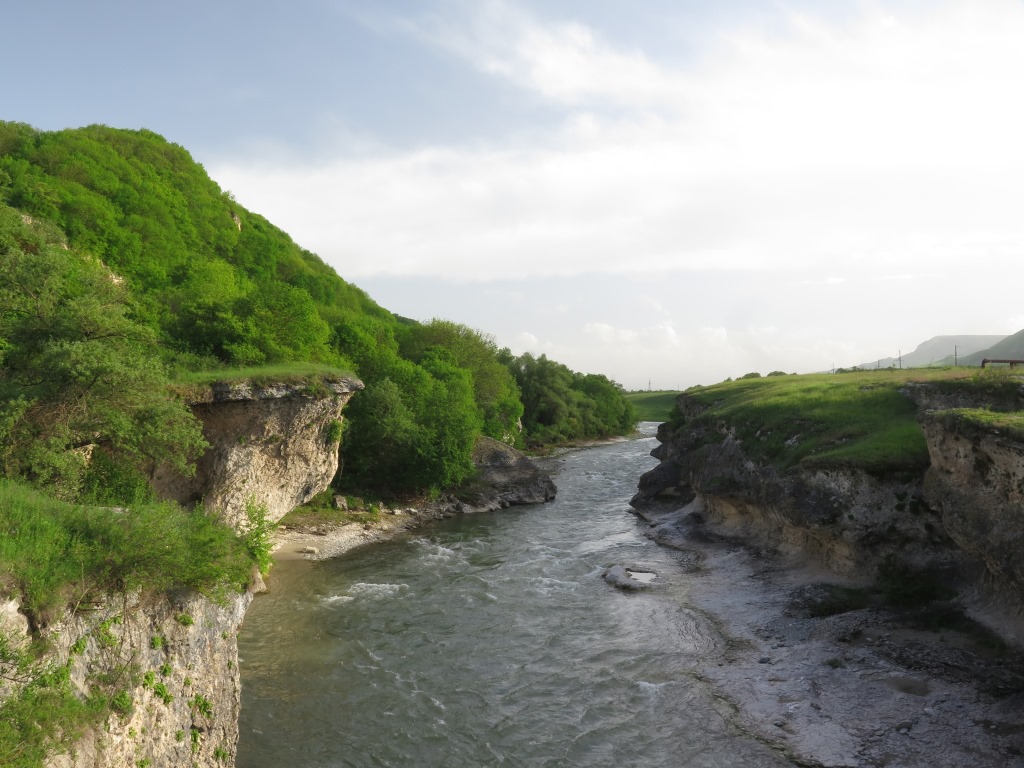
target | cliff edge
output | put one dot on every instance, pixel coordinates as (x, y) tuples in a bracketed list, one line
[(274, 444), (161, 667), (957, 518)]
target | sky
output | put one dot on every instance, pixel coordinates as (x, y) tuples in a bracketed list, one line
[(668, 192)]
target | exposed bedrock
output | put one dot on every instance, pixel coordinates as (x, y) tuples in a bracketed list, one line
[(976, 481), (273, 444), (174, 657), (504, 477), (963, 519)]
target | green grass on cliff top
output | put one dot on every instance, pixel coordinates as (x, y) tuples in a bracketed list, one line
[(191, 384), (1009, 424), (278, 373), (54, 554), (859, 420)]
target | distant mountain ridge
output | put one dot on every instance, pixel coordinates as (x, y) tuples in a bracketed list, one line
[(940, 350), (1008, 348)]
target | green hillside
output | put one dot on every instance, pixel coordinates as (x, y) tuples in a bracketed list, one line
[(213, 287), (856, 419)]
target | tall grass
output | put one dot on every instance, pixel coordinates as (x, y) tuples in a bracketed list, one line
[(54, 555)]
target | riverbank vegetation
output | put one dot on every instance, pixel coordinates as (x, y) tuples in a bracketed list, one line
[(56, 554), (130, 282), (858, 419)]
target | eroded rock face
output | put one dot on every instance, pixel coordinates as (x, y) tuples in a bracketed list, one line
[(174, 658), (505, 477), (976, 480), (269, 444), (848, 520), (177, 658), (966, 510)]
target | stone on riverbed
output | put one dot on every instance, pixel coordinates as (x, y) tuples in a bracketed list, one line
[(629, 578)]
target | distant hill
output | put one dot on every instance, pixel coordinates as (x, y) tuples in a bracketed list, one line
[(653, 406), (939, 351), (1008, 348)]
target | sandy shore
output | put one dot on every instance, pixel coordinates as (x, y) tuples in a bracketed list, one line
[(862, 688), (322, 542)]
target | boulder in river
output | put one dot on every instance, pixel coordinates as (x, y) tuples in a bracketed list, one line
[(632, 579)]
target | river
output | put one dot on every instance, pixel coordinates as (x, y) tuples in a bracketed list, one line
[(491, 640)]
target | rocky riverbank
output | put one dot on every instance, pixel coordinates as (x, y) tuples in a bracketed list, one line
[(505, 477), (873, 618), (831, 684)]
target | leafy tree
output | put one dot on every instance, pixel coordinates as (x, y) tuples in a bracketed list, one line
[(560, 405), (79, 373), (494, 388), (413, 428), (210, 284)]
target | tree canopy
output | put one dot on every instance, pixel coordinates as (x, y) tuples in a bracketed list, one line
[(80, 374)]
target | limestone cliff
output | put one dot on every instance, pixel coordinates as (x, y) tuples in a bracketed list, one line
[(181, 652), (174, 658), (961, 521), (269, 443)]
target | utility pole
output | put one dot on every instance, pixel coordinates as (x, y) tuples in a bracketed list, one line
[(954, 356), (901, 359)]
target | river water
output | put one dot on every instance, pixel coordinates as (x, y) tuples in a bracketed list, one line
[(491, 640)]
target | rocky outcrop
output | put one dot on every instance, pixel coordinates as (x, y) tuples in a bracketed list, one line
[(960, 522), (847, 519), (272, 444), (504, 477), (175, 658), (976, 481), (171, 660)]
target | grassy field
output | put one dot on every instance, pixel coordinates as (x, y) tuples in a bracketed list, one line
[(838, 420), (653, 406)]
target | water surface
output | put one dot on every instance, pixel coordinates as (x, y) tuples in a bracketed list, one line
[(491, 640)]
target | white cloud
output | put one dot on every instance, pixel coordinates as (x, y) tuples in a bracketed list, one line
[(566, 63), (660, 337), (883, 144)]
